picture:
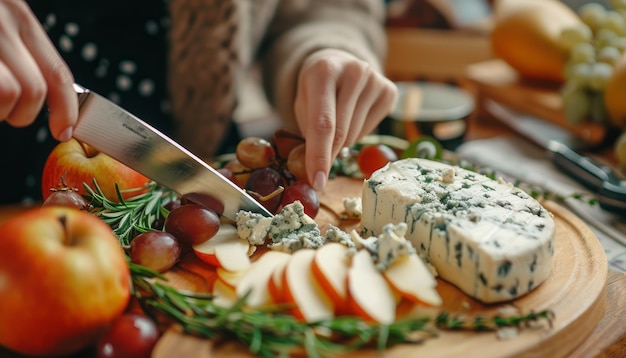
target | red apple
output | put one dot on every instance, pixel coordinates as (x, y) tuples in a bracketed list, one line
[(79, 163), (63, 279)]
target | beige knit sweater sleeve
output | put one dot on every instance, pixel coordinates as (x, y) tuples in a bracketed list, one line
[(301, 27)]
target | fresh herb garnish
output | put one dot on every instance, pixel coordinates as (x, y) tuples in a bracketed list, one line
[(127, 217), (272, 332)]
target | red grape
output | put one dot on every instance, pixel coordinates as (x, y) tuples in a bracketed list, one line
[(240, 172), (296, 163), (66, 197), (254, 152), (227, 173), (192, 224), (156, 250), (373, 157), (130, 335), (63, 195), (305, 194), (285, 141), (264, 182)]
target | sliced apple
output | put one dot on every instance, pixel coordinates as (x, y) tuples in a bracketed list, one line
[(229, 277), (255, 282), (232, 255), (369, 294), (225, 250), (410, 277), (301, 289), (330, 269), (275, 284), (225, 295)]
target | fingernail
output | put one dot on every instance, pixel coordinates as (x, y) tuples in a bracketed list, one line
[(66, 134), (319, 181)]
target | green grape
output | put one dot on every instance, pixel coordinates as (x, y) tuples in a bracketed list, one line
[(592, 14), (577, 74), (621, 11), (582, 52), (599, 76), (615, 22), (573, 35), (576, 105), (619, 43), (618, 4), (609, 54), (620, 150), (604, 37)]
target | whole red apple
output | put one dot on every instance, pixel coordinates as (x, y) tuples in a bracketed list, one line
[(79, 163), (63, 279)]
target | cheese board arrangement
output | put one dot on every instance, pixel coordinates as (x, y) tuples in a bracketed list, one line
[(404, 256), (573, 292)]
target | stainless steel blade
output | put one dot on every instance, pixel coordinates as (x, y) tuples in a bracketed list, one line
[(119, 134)]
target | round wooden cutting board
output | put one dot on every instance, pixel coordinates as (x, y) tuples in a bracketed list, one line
[(575, 292)]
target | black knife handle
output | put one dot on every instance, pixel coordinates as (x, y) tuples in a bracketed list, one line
[(609, 187)]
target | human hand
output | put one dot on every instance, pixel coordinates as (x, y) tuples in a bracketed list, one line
[(31, 72), (339, 99)]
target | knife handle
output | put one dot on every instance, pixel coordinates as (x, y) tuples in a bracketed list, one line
[(602, 179)]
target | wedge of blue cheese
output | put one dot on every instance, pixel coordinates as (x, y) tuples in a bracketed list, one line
[(490, 239)]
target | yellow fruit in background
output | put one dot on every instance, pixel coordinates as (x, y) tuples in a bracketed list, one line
[(526, 36), (615, 94)]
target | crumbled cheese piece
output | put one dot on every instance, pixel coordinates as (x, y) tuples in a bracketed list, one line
[(392, 245), (252, 227), (370, 244), (335, 234), (353, 207)]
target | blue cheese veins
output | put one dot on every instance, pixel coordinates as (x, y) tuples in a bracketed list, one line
[(489, 238)]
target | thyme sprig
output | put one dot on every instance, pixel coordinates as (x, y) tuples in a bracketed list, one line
[(272, 331), (127, 217)]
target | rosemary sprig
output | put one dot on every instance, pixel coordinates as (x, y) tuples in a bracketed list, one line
[(273, 332), (127, 217), (482, 323)]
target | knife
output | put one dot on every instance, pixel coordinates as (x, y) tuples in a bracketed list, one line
[(126, 138), (607, 184)]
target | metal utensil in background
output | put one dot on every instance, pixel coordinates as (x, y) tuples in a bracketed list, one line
[(119, 134), (607, 184)]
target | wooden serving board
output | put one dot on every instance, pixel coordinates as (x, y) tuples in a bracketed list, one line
[(575, 292)]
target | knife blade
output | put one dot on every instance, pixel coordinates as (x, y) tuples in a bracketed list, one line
[(126, 138), (607, 184)]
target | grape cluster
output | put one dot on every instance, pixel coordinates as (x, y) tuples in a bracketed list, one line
[(273, 171), (594, 46)]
